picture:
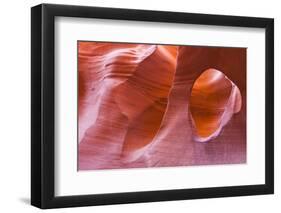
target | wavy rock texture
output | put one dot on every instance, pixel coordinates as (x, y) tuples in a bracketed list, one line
[(149, 105), (214, 99)]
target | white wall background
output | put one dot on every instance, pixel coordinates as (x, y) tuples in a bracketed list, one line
[(15, 105)]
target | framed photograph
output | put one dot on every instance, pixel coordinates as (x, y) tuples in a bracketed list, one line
[(139, 106)]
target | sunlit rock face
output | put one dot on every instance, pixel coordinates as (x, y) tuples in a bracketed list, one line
[(149, 105), (214, 99)]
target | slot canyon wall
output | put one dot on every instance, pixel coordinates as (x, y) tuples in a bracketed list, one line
[(144, 105)]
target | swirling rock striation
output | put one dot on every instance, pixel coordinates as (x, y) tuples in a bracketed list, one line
[(148, 105)]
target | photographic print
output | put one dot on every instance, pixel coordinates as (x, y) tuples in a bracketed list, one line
[(134, 95), (155, 105)]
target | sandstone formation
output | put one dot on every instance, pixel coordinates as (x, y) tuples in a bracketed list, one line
[(149, 105)]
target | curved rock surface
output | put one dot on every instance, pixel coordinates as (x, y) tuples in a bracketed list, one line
[(138, 105), (214, 99)]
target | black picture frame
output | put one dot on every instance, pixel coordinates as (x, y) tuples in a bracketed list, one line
[(43, 102)]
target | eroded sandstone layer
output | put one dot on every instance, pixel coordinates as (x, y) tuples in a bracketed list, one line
[(150, 105)]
